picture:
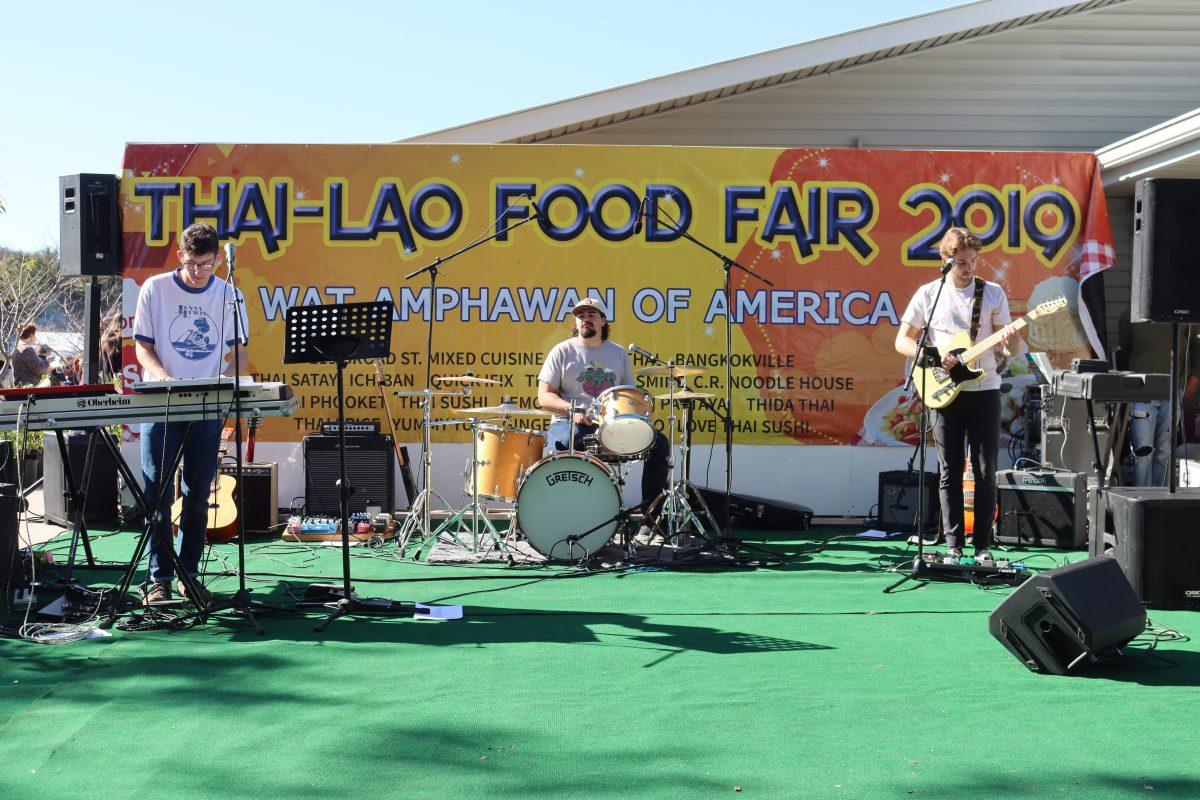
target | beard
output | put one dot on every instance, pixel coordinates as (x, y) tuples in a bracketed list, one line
[(587, 332)]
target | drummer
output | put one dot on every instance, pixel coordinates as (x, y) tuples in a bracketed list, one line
[(577, 371)]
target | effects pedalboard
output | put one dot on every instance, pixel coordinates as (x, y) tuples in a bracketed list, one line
[(995, 570)]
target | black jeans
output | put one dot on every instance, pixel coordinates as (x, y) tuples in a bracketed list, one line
[(973, 417), (654, 469)]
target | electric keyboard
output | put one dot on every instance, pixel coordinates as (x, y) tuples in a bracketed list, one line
[(85, 410)]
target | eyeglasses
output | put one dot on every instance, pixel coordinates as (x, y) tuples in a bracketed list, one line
[(194, 267), (970, 262)]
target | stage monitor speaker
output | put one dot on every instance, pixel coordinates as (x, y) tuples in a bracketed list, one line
[(10, 566), (370, 468), (102, 501), (89, 224), (1068, 617), (1166, 283), (1155, 537), (259, 489), (897, 509), (757, 513), (1043, 508)]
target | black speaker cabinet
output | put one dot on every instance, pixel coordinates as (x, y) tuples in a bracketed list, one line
[(259, 490), (1042, 508), (757, 513), (9, 565), (89, 224), (102, 501), (1166, 282), (898, 501), (1155, 537), (1065, 618), (370, 468)]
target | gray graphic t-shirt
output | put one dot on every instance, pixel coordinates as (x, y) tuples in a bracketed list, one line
[(579, 373), (191, 329)]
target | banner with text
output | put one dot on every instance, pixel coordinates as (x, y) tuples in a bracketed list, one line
[(844, 236)]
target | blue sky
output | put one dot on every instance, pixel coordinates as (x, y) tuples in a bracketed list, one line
[(81, 79)]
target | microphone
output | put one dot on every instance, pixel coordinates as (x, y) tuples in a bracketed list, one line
[(949, 265), (633, 348), (641, 212), (229, 253)]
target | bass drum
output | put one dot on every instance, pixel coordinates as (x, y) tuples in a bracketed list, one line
[(563, 496)]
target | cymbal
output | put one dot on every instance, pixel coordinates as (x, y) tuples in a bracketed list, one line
[(465, 379), (503, 410), (666, 371), (681, 396)]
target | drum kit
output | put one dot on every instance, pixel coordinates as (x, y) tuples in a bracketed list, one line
[(566, 505)]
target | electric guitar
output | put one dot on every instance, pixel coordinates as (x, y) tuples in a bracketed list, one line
[(938, 386)]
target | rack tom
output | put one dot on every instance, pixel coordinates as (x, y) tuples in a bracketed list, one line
[(624, 414)]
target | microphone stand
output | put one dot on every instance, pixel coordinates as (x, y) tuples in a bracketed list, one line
[(918, 567), (432, 269), (240, 601), (727, 265)]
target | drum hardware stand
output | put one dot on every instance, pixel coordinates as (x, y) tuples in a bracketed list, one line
[(418, 522), (340, 333), (475, 509), (676, 508), (727, 265)]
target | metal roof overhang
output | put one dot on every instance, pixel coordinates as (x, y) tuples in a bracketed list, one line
[(1168, 150)]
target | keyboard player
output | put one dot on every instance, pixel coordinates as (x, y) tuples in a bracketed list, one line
[(183, 328)]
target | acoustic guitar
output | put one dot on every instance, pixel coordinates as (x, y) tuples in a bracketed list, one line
[(938, 386), (222, 494)]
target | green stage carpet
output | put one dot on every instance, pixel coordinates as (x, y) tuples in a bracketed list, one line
[(795, 681)]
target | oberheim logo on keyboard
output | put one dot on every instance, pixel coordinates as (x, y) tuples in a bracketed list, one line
[(103, 402)]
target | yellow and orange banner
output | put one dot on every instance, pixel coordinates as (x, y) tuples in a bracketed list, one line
[(844, 236)]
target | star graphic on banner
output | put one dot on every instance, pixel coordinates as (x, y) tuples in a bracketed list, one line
[(944, 177), (776, 254), (455, 158), (579, 172), (1057, 180), (709, 330), (301, 194), (408, 251), (823, 162)]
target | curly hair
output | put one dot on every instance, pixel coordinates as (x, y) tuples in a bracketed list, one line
[(957, 239), (198, 239)]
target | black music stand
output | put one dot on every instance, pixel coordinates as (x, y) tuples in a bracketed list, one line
[(339, 334)]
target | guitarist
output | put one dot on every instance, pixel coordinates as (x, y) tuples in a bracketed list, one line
[(967, 303)]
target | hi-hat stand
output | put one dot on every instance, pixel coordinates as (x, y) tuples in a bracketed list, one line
[(340, 334)]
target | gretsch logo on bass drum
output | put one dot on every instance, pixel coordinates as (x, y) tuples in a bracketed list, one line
[(570, 476)]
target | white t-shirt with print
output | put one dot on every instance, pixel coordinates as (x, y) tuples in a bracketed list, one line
[(953, 315), (580, 374), (191, 329)]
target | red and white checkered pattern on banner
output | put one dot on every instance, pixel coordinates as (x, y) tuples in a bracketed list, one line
[(1096, 256)]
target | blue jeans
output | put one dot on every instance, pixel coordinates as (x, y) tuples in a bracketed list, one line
[(654, 470), (1150, 436), (160, 443)]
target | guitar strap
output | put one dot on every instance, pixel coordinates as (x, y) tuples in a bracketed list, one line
[(977, 310)]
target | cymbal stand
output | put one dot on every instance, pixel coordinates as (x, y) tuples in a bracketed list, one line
[(418, 523), (475, 509)]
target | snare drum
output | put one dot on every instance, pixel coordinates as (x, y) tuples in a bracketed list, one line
[(564, 496), (624, 416), (504, 454)]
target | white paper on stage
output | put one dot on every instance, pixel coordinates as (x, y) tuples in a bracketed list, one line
[(437, 612)]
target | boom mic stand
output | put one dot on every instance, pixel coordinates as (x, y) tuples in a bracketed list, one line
[(727, 265), (426, 448), (240, 601)]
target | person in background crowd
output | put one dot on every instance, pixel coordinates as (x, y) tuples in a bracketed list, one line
[(28, 363)]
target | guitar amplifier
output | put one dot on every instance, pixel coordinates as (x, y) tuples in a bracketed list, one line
[(1043, 508), (259, 490), (898, 495), (1066, 437), (370, 469)]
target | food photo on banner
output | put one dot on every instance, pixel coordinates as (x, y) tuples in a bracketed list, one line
[(844, 236)]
